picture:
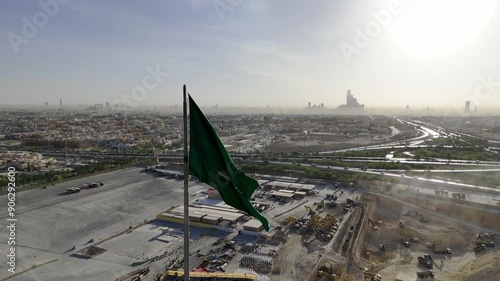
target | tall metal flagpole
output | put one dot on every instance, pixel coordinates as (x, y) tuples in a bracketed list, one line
[(186, 197)]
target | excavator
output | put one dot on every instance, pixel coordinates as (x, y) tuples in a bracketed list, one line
[(418, 215), (426, 274), (426, 260), (311, 211), (438, 250), (326, 276), (326, 272), (486, 239), (373, 276), (351, 202), (372, 224), (480, 248), (405, 243), (321, 204), (458, 195)]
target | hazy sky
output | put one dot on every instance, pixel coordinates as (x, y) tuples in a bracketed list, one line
[(250, 52)]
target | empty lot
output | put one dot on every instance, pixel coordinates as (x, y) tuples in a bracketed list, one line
[(50, 223)]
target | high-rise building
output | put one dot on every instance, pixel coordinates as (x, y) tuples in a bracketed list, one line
[(351, 102), (467, 106), (60, 102), (314, 107)]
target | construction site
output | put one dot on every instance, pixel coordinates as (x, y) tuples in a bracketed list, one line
[(318, 231), (341, 232), (418, 239), (305, 219)]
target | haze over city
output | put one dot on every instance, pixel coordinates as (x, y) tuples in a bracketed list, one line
[(251, 53), (249, 140)]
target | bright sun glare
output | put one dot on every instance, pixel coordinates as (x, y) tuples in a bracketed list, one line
[(429, 28)]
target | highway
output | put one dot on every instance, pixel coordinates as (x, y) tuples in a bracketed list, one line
[(401, 176), (426, 134), (416, 142)]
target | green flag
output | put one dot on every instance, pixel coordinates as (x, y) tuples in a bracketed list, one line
[(210, 162)]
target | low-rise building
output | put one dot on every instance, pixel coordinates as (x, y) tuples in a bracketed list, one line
[(253, 225)]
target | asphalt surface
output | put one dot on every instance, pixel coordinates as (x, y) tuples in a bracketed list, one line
[(49, 223)]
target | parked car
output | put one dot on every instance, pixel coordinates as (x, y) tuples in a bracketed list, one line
[(71, 190)]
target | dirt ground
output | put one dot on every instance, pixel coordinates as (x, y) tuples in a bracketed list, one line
[(337, 264), (296, 260), (398, 261), (486, 267)]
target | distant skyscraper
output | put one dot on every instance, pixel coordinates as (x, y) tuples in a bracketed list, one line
[(467, 106), (60, 102), (309, 104), (407, 108), (46, 104), (351, 102)]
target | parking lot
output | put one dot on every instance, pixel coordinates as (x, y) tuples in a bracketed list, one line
[(51, 222)]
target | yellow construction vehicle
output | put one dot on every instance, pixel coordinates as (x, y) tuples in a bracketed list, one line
[(290, 220), (313, 223)]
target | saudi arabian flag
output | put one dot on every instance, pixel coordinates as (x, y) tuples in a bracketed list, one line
[(210, 162)]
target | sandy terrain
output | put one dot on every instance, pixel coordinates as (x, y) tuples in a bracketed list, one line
[(400, 262)]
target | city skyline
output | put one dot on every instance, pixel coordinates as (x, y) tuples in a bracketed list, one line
[(253, 53)]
